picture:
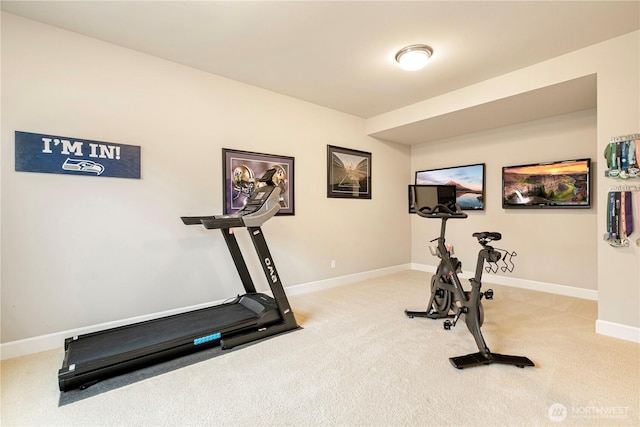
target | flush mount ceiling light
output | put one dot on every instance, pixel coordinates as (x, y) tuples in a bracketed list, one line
[(414, 57)]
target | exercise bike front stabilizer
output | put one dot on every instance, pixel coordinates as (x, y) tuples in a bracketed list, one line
[(448, 298)]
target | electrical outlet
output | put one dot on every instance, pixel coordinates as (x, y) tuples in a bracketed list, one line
[(333, 263)]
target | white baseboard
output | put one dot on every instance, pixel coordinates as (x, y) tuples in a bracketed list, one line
[(616, 330), (344, 280), (533, 285), (55, 340)]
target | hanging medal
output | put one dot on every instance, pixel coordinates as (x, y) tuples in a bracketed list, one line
[(633, 159), (638, 207), (625, 215), (610, 156), (624, 159), (610, 236), (615, 223)]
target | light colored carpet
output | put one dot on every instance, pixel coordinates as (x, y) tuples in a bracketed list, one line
[(360, 362)]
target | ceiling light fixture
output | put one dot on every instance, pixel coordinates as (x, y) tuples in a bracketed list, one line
[(414, 57)]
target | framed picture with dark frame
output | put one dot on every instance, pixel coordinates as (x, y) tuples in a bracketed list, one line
[(348, 173), (557, 184), (241, 173), (469, 182)]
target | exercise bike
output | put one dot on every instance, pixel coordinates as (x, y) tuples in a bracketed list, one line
[(448, 298)]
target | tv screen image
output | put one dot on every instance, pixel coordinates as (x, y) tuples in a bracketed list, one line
[(468, 180), (560, 184)]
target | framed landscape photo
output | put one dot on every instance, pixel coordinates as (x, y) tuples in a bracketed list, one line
[(468, 180), (241, 173), (348, 173), (557, 184)]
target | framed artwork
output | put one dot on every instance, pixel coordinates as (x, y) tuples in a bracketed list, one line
[(469, 182), (559, 184), (241, 173), (348, 173)]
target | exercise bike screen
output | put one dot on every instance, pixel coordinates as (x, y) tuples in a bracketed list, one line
[(421, 196)]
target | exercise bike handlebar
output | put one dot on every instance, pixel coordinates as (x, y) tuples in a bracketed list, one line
[(441, 211)]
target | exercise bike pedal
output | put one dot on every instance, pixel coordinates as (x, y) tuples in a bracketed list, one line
[(488, 294), (447, 325)]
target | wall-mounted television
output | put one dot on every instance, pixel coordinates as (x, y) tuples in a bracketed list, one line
[(560, 184), (468, 180), (430, 195)]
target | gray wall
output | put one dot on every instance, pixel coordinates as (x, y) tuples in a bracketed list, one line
[(556, 246), (79, 251)]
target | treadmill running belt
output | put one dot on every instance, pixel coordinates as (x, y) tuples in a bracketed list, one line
[(140, 336)]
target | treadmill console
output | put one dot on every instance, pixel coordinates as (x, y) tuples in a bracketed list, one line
[(260, 206), (256, 200)]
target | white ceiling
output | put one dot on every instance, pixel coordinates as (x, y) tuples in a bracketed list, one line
[(340, 54)]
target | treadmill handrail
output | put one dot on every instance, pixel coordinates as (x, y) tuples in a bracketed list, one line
[(242, 218)]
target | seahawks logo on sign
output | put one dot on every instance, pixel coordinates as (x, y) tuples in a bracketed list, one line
[(82, 166)]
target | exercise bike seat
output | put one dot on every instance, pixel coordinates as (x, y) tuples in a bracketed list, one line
[(487, 236)]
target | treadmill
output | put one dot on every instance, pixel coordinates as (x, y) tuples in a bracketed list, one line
[(96, 356)]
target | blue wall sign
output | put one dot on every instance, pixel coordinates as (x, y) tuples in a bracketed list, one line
[(61, 154)]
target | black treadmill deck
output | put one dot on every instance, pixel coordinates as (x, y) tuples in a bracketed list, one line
[(92, 357)]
